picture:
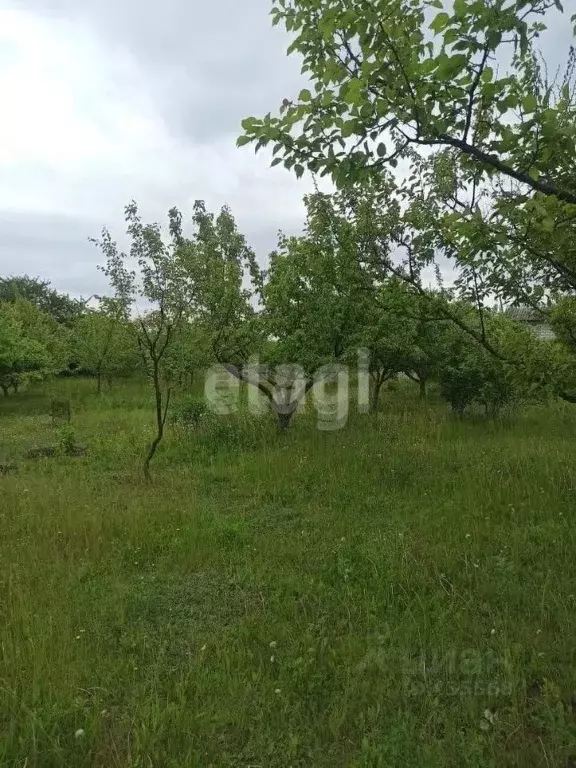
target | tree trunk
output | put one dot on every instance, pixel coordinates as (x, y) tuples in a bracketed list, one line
[(99, 379), (5, 390), (15, 387), (422, 385), (150, 455), (161, 414), (375, 394), (285, 408), (284, 419)]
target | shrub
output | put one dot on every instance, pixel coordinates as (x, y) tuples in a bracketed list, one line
[(478, 380), (189, 413), (459, 387), (66, 439)]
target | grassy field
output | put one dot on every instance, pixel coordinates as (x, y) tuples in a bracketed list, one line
[(398, 593)]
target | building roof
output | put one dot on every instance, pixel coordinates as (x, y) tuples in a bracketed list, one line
[(525, 314), (534, 319)]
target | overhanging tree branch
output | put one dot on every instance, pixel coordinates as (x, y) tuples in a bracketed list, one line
[(494, 162)]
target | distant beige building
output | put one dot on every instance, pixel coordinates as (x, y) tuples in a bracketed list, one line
[(532, 319)]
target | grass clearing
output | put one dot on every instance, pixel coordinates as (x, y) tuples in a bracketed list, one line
[(400, 592)]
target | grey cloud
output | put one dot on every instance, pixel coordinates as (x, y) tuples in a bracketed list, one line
[(54, 248), (264, 241), (208, 65)]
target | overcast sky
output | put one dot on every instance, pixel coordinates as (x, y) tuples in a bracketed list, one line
[(108, 100)]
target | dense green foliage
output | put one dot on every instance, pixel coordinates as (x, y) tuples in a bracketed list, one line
[(331, 298), (449, 111), (38, 292)]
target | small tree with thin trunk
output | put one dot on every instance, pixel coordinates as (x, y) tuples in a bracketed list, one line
[(426, 352), (156, 332), (387, 332), (233, 304), (104, 342), (225, 285), (159, 285), (312, 302), (324, 302)]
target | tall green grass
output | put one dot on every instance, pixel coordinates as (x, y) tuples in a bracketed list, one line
[(398, 593)]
